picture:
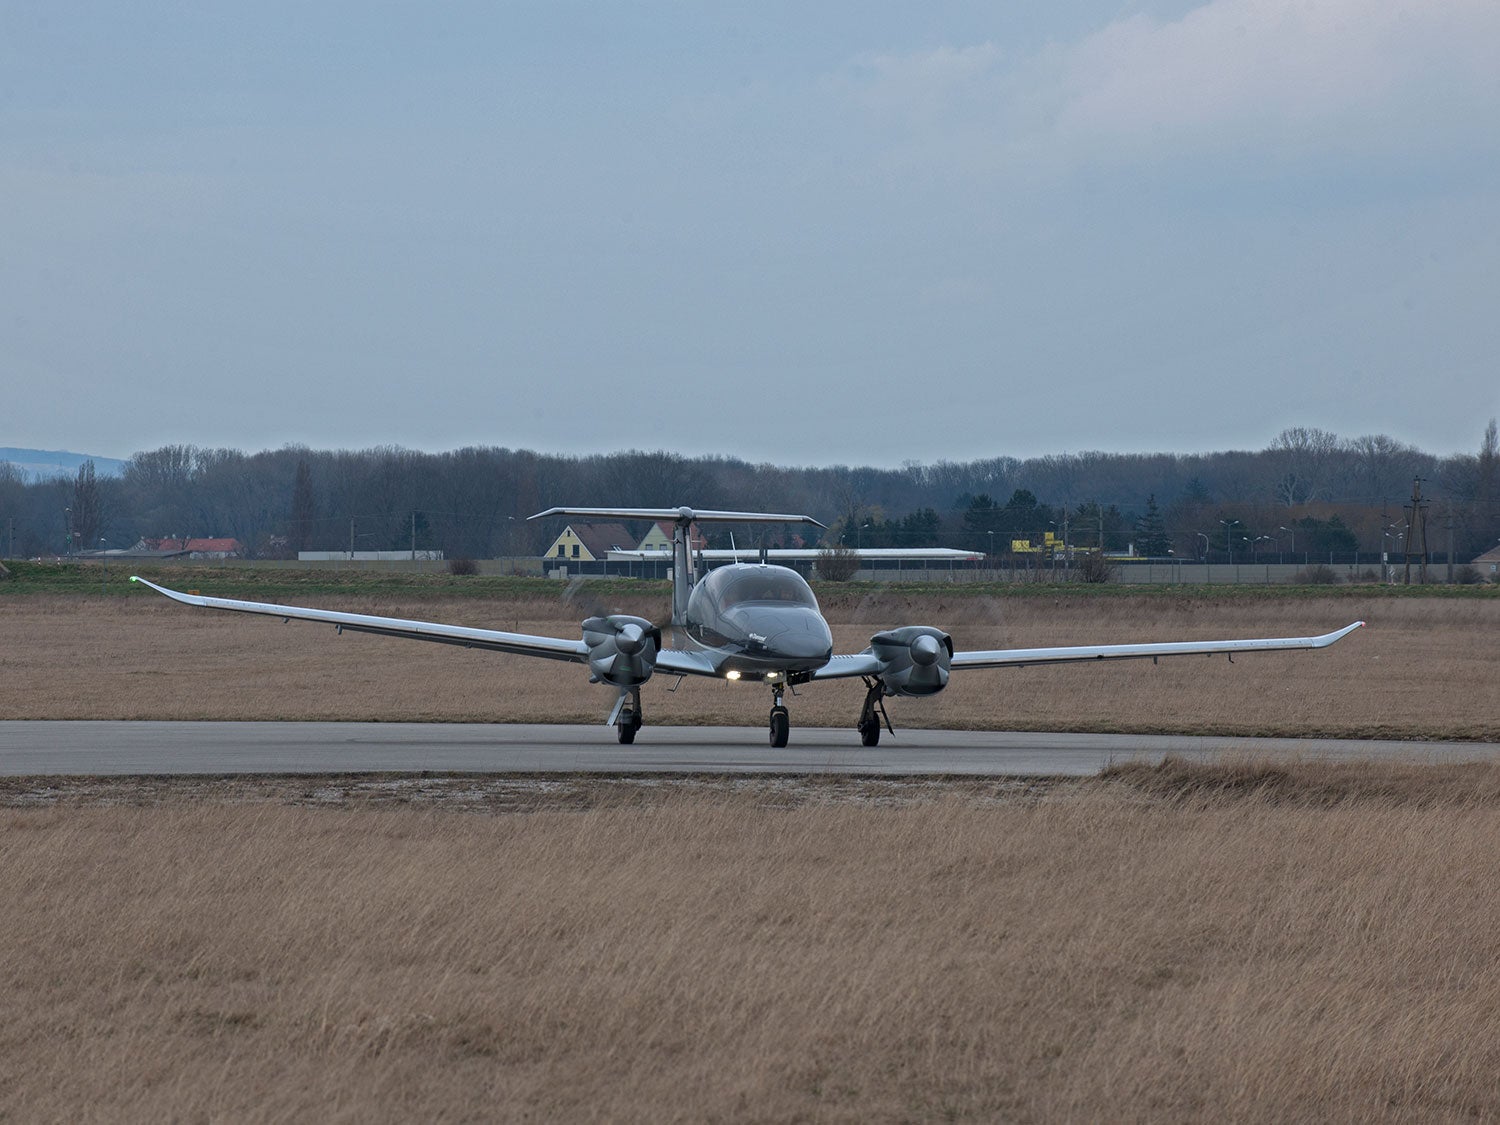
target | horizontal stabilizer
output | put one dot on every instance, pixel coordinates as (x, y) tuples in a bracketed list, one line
[(678, 515)]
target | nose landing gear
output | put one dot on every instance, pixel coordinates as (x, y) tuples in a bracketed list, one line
[(781, 720), (627, 715)]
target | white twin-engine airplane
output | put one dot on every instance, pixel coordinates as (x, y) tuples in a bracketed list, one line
[(744, 622)]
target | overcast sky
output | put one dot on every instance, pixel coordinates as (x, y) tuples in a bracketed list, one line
[(808, 233)]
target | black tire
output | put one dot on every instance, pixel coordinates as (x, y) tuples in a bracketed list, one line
[(781, 727), (869, 733), (626, 730)]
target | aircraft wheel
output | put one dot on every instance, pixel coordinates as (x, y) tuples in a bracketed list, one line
[(869, 733), (781, 726), (629, 723)]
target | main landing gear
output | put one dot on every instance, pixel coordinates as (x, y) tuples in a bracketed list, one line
[(781, 720), (628, 716), (872, 714)]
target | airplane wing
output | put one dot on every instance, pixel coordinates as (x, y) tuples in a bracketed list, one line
[(672, 661), (868, 664), (554, 648)]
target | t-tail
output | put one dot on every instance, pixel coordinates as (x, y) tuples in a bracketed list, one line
[(684, 573)]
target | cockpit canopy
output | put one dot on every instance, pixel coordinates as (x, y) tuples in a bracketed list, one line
[(736, 585)]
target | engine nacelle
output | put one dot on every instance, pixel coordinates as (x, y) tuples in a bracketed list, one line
[(914, 660), (622, 649)]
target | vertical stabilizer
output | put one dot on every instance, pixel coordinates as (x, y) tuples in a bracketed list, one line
[(683, 574)]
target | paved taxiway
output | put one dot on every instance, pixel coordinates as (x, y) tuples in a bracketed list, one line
[(30, 748)]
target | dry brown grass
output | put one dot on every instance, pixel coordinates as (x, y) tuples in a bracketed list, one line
[(1417, 671), (1181, 946)]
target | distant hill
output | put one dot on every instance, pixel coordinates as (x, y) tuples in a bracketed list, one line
[(43, 463)]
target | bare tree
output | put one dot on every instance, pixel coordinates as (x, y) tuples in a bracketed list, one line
[(88, 507), (1487, 486), (303, 507), (1300, 459)]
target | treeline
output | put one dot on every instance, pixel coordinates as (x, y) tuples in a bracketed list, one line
[(1308, 492)]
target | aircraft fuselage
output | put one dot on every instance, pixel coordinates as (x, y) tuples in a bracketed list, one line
[(758, 622)]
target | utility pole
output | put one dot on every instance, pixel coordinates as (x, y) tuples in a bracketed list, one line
[(351, 538), (1385, 532), (1450, 540), (1416, 533), (414, 535)]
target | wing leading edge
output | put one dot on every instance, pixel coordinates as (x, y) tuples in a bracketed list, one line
[(493, 640), (677, 662), (554, 648), (867, 664)]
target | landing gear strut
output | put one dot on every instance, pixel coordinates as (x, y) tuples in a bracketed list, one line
[(781, 721), (629, 720), (872, 713)]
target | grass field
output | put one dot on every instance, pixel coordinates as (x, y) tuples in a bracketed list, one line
[(1417, 671), (1303, 942), (1247, 943), (270, 583)]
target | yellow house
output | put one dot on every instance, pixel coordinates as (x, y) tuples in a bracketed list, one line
[(590, 542), (659, 538)]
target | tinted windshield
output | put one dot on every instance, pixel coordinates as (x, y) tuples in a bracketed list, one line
[(766, 584)]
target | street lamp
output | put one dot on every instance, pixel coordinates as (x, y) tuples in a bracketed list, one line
[(104, 577), (1203, 537), (1228, 546), (68, 528), (1385, 550), (1293, 533)]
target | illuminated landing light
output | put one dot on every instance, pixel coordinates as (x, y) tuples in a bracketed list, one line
[(731, 675)]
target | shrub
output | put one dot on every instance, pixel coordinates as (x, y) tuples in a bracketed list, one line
[(1467, 575), (1318, 575), (837, 564), (1093, 567), (463, 566)]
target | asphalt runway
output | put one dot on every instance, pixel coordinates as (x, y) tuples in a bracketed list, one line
[(164, 748)]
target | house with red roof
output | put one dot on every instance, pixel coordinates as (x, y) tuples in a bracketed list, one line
[(193, 548)]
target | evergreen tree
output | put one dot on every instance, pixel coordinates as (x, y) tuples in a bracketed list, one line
[(981, 522), (1151, 532), (921, 529)]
